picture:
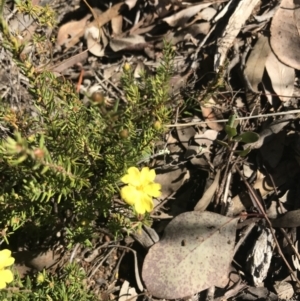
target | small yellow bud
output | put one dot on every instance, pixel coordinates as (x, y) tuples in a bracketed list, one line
[(31, 138), (40, 278), (157, 125), (124, 134), (127, 67), (98, 97)]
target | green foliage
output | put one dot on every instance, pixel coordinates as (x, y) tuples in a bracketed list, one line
[(63, 156), (247, 137), (70, 285)]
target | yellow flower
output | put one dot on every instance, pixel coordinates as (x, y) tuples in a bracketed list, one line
[(6, 276), (140, 189)]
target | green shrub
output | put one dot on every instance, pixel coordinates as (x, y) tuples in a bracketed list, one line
[(65, 156)]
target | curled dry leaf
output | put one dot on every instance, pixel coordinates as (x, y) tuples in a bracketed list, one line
[(285, 40), (256, 62), (282, 77), (93, 37), (194, 254)]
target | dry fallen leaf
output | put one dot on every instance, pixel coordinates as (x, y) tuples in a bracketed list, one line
[(94, 39), (116, 25), (127, 292), (291, 219), (194, 254), (256, 62), (210, 116), (119, 44), (70, 31), (272, 151), (69, 34), (180, 19), (285, 40), (130, 3), (208, 194), (67, 63), (171, 180), (282, 77)]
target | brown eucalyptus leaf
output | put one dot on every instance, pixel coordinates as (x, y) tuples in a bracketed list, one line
[(256, 62), (194, 254), (285, 40), (282, 77)]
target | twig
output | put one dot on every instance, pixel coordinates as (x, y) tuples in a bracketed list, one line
[(101, 262), (116, 269), (238, 118), (225, 204), (221, 188), (136, 270)]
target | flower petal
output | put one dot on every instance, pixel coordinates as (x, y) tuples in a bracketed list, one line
[(132, 177), (2, 284), (153, 189), (130, 194), (5, 258), (6, 276), (147, 175), (144, 204)]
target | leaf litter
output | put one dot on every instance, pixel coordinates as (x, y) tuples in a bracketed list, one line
[(232, 57)]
